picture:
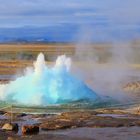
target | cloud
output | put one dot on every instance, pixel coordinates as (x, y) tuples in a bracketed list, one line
[(116, 9), (113, 16), (43, 12)]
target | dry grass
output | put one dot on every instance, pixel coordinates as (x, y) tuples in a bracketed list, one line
[(10, 53)]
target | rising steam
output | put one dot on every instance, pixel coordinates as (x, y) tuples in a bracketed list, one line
[(42, 85)]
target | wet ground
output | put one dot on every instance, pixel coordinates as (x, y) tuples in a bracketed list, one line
[(124, 133), (80, 125)]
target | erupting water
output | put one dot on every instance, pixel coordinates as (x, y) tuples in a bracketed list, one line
[(46, 86)]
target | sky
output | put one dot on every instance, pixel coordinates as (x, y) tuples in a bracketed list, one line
[(119, 18)]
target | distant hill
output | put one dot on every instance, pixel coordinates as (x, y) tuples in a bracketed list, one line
[(62, 33)]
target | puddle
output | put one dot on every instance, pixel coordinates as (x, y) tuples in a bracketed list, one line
[(3, 117), (119, 116), (113, 115)]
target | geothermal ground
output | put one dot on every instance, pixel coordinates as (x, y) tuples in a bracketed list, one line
[(101, 69)]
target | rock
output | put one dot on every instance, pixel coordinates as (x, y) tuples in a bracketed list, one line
[(21, 115), (79, 114), (67, 120), (85, 119), (2, 112), (30, 129), (10, 126), (7, 114), (58, 124), (15, 115)]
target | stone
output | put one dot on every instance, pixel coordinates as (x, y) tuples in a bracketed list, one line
[(15, 115), (10, 126), (58, 124), (21, 115), (2, 112), (85, 119), (30, 129)]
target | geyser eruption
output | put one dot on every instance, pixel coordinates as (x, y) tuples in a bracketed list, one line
[(43, 85)]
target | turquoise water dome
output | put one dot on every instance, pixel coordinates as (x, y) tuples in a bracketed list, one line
[(43, 85)]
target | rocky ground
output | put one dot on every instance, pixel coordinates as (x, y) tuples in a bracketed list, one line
[(75, 125)]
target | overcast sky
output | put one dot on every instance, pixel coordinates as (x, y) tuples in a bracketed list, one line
[(104, 17), (56, 12)]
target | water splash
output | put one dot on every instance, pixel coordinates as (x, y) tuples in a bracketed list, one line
[(43, 85)]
